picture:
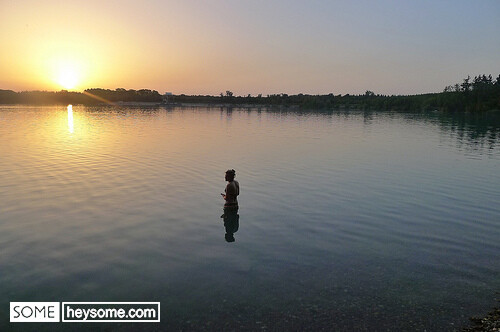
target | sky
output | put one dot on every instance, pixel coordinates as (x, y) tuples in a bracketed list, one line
[(247, 47)]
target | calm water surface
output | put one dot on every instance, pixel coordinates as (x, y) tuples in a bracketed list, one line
[(348, 220)]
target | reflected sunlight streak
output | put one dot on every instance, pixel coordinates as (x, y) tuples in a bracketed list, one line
[(98, 98), (70, 118)]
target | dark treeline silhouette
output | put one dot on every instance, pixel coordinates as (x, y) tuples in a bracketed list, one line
[(43, 97), (143, 95), (481, 93), (88, 97)]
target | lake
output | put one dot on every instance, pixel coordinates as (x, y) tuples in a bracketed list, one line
[(348, 220)]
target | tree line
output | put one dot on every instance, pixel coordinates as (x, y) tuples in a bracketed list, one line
[(88, 97), (480, 93)]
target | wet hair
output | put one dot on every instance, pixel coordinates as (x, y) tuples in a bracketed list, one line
[(231, 173)]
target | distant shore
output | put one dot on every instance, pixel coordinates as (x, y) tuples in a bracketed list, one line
[(479, 94)]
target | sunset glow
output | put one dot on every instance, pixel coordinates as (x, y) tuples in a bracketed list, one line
[(259, 47), (364, 136), (68, 77)]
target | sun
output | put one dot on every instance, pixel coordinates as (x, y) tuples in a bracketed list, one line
[(68, 76)]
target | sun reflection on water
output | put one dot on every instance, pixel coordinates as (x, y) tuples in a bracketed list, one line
[(70, 119)]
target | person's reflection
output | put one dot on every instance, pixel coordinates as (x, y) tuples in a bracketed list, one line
[(231, 223)]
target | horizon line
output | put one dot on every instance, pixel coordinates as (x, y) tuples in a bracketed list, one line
[(218, 95)]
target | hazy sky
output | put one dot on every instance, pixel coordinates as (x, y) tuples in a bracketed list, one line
[(248, 47)]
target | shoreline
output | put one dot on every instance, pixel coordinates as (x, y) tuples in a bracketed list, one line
[(489, 322), (292, 107)]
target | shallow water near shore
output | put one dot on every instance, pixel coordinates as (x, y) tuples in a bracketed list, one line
[(347, 221)]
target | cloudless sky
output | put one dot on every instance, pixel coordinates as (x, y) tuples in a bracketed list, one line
[(248, 47)]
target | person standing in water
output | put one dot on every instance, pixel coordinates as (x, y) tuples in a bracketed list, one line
[(230, 216), (232, 191)]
